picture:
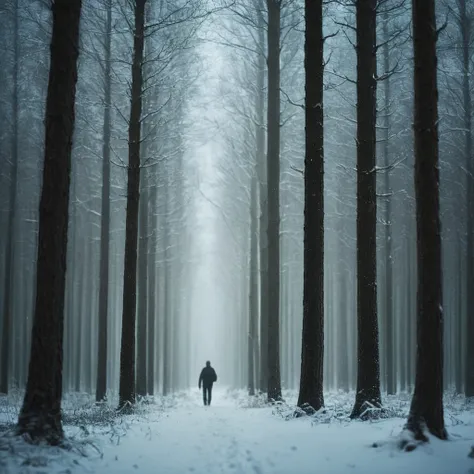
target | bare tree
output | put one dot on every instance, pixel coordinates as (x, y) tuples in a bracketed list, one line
[(426, 411), (263, 198), (40, 415), (273, 190), (101, 387), (368, 376), (127, 351), (312, 352)]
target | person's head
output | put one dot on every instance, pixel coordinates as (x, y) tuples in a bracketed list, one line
[(208, 363)]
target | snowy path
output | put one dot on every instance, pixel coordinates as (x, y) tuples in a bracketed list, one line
[(224, 438), (228, 439)]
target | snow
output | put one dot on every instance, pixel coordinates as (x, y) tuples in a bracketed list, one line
[(181, 436)]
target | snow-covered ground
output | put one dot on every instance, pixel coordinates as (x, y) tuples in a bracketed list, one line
[(181, 436)]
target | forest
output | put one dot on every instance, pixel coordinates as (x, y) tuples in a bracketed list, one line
[(281, 188)]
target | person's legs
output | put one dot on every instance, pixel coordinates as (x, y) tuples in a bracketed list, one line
[(204, 395), (209, 395)]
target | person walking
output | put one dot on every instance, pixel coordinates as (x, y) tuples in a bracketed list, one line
[(206, 379)]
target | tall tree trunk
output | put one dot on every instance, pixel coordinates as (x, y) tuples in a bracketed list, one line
[(253, 286), (40, 415), (407, 311), (390, 378), (166, 294), (10, 230), (273, 174), (466, 24), (411, 335), (263, 201), (175, 355), (458, 329), (152, 291), (344, 342), (101, 388), (426, 411), (148, 279), (89, 297), (142, 290), (79, 313), (71, 286), (312, 351), (368, 376), (127, 350)]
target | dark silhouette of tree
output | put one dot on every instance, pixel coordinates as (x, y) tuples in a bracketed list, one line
[(273, 193), (312, 351), (368, 376), (40, 415), (426, 411), (127, 350), (101, 387)]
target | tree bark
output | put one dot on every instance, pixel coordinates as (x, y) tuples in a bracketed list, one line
[(127, 350), (312, 351), (368, 376), (101, 387), (40, 415), (10, 230), (426, 411)]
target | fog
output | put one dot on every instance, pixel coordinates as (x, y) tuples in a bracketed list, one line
[(199, 153)]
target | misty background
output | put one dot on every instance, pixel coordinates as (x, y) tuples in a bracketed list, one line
[(198, 213)]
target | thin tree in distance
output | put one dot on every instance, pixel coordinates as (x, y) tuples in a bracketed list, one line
[(273, 183), (40, 415), (426, 411)]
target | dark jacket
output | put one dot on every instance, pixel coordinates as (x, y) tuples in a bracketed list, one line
[(208, 377)]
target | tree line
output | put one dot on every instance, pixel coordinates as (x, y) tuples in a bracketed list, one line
[(266, 283), (410, 321)]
